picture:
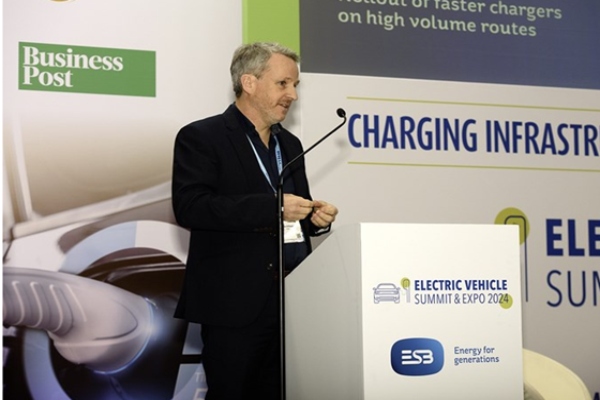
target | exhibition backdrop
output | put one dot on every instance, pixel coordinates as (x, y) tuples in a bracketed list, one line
[(94, 94), (470, 112), (458, 112)]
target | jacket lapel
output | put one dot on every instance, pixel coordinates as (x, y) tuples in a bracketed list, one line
[(246, 156), (291, 150)]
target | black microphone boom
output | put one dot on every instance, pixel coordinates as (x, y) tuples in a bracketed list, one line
[(342, 114), (281, 275)]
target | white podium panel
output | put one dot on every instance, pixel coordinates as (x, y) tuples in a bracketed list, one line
[(413, 311)]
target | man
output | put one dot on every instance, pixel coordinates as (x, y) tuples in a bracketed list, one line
[(225, 174)]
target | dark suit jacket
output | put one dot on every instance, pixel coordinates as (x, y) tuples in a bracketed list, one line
[(220, 193)]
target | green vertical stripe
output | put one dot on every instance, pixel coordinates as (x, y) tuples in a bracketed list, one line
[(272, 21)]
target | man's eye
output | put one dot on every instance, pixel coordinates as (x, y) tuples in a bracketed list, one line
[(283, 83)]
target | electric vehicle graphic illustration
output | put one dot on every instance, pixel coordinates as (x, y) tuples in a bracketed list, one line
[(101, 326)]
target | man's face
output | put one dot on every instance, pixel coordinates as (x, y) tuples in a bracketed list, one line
[(276, 89)]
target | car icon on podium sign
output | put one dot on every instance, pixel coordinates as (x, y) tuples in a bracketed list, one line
[(386, 292)]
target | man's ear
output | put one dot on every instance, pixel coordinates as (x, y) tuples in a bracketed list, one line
[(248, 83)]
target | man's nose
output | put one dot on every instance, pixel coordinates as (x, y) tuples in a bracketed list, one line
[(293, 93)]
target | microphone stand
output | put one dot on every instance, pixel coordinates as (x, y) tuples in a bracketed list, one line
[(281, 272)]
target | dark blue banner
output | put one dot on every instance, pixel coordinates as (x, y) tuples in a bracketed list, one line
[(537, 42)]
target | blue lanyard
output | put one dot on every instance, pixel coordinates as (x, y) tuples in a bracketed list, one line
[(278, 158)]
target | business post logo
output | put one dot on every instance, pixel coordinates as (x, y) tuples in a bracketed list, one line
[(79, 69), (417, 356)]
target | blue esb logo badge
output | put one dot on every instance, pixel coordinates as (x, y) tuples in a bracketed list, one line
[(417, 356)]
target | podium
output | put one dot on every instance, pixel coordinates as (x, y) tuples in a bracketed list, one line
[(411, 311)]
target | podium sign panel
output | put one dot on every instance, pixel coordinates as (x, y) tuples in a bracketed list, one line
[(388, 311)]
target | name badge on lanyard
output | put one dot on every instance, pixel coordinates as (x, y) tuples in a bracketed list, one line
[(292, 231)]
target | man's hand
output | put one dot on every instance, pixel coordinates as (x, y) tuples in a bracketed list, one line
[(324, 213), (295, 207)]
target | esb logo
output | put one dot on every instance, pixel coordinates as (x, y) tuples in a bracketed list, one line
[(417, 356)]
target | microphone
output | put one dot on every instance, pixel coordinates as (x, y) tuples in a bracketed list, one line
[(342, 114)]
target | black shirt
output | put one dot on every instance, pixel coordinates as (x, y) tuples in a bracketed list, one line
[(294, 253)]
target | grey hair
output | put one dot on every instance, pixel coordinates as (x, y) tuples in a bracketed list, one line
[(253, 58)]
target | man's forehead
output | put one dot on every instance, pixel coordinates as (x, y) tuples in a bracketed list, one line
[(281, 74), (279, 60)]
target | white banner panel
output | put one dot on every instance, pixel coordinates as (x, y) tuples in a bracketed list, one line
[(450, 152)]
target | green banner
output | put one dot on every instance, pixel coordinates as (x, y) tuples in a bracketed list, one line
[(272, 21), (78, 69)]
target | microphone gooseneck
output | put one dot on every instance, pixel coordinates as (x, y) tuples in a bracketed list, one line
[(281, 275), (342, 114)]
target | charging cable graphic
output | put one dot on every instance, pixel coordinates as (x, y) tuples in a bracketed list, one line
[(93, 323)]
